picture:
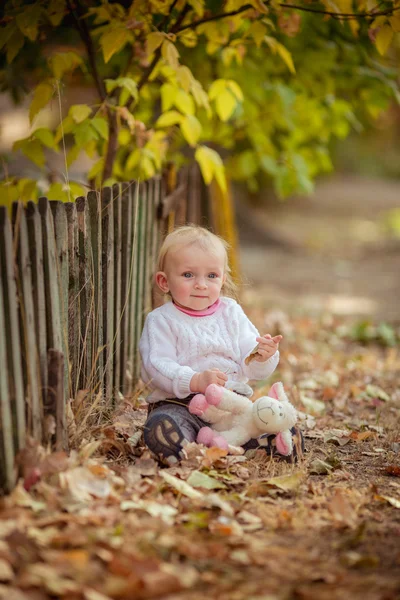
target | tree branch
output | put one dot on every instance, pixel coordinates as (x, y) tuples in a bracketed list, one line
[(87, 40), (232, 13), (157, 55)]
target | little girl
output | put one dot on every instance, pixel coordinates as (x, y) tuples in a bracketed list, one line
[(198, 338)]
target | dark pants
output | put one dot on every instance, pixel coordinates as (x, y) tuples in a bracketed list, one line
[(169, 423)]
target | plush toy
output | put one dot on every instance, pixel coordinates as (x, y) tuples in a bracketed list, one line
[(235, 419)]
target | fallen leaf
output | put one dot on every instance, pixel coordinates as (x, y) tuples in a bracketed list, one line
[(83, 484), (315, 407), (288, 483), (342, 509), (393, 501), (320, 467), (393, 470), (181, 486), (6, 572), (200, 480)]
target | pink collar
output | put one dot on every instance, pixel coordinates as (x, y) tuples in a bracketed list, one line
[(200, 313)]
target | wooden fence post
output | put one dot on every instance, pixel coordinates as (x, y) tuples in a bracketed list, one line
[(86, 294), (35, 237), (73, 294), (27, 313), (116, 189), (95, 216), (61, 238), (126, 280), (56, 396), (7, 472), (10, 300), (108, 287), (130, 365)]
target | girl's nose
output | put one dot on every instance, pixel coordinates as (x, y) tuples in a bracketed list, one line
[(201, 283)]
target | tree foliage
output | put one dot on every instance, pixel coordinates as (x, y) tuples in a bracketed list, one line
[(256, 90)]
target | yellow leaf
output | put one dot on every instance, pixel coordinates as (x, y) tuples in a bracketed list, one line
[(210, 164), (170, 54), (259, 5), (225, 105), (184, 102), (257, 31), (169, 118), (154, 40), (395, 21), (188, 38), (216, 88), (285, 56), (198, 7), (383, 39), (354, 26), (168, 95), (220, 177), (64, 61), (235, 89), (42, 96), (184, 77), (113, 41), (191, 129), (80, 112)]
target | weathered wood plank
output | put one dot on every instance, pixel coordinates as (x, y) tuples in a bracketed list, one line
[(12, 328), (86, 293), (116, 190), (30, 346), (61, 239), (7, 473), (126, 279), (53, 311), (155, 242), (56, 396), (34, 225), (94, 203), (108, 287), (141, 273), (130, 366), (194, 192), (73, 296)]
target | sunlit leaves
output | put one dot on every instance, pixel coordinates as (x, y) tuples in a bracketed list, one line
[(64, 62), (226, 94), (170, 53), (128, 85), (169, 118), (41, 97), (113, 40), (80, 112), (32, 149), (191, 129), (211, 166), (384, 38), (278, 48)]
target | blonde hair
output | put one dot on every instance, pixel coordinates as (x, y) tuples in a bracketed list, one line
[(186, 235)]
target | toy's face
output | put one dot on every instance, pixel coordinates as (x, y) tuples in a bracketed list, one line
[(272, 416)]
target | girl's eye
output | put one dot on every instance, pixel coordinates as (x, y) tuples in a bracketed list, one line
[(187, 275), (213, 275)]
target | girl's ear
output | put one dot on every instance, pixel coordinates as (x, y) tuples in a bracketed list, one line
[(162, 281)]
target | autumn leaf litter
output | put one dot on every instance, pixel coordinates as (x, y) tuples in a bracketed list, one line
[(108, 522)]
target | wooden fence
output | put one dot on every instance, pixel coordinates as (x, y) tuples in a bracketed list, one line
[(75, 286)]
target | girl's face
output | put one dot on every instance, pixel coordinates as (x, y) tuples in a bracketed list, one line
[(193, 276)]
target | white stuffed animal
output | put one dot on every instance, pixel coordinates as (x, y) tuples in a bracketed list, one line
[(235, 419)]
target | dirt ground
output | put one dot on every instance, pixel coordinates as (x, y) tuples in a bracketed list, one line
[(108, 523), (336, 254)]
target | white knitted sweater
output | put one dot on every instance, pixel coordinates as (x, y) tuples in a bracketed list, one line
[(174, 346)]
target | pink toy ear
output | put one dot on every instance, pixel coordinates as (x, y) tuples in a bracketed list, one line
[(205, 436), (273, 392), (198, 405), (281, 445)]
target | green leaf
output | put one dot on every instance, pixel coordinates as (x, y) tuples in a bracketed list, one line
[(64, 62), (28, 21), (101, 126), (14, 44), (80, 112), (113, 41), (45, 136), (72, 155), (41, 96), (84, 133), (56, 11), (169, 118), (32, 149), (128, 85), (168, 95), (184, 102), (191, 129), (154, 40), (96, 169), (383, 39), (225, 105)]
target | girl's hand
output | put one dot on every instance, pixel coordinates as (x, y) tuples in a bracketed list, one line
[(200, 381), (267, 346)]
